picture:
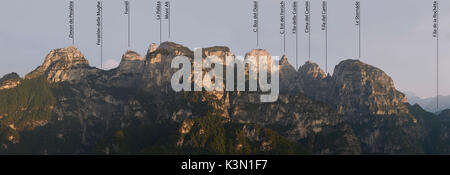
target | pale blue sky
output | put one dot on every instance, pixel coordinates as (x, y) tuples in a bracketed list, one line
[(397, 34)]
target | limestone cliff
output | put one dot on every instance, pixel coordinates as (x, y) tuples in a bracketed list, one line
[(58, 64), (361, 89)]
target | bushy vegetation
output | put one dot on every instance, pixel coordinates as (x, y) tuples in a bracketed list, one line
[(213, 134), (20, 107), (143, 139)]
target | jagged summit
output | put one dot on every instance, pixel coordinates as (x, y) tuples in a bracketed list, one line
[(219, 51), (152, 48), (288, 76), (257, 53), (311, 70), (362, 72), (131, 62), (175, 48), (286, 68), (284, 60), (356, 65), (132, 56), (58, 62), (373, 89)]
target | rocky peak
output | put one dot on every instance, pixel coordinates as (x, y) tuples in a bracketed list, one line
[(131, 56), (168, 50), (152, 48), (131, 62), (370, 88), (219, 51), (288, 76), (284, 60), (258, 53), (129, 72), (58, 63), (365, 75), (9, 76), (9, 81), (311, 70), (286, 67), (174, 48)]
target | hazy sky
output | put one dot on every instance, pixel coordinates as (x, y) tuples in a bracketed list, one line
[(396, 34)]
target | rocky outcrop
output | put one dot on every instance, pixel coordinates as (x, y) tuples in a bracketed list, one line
[(157, 71), (9, 81), (361, 89), (59, 63), (313, 82), (152, 48), (131, 62), (218, 51), (311, 71), (129, 72), (258, 54), (132, 56), (289, 81)]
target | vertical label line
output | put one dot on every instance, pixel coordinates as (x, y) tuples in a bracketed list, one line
[(127, 12), (159, 18), (283, 24), (256, 21), (325, 28), (100, 30), (358, 24), (167, 16), (72, 21), (308, 25), (295, 30), (436, 35)]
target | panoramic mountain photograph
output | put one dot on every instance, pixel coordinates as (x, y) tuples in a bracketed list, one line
[(227, 78)]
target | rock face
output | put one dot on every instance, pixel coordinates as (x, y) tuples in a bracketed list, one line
[(129, 72), (311, 71), (289, 81), (218, 51), (152, 48), (366, 98), (259, 54), (9, 81), (157, 71), (313, 82), (58, 64), (361, 89), (131, 62), (300, 119), (132, 56)]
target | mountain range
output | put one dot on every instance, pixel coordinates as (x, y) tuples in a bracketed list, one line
[(66, 106), (429, 103)]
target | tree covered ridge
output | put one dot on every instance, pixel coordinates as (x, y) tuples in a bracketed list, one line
[(25, 107)]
